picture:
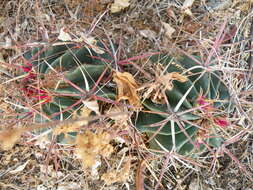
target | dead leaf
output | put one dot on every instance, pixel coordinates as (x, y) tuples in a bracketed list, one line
[(191, 27), (168, 30), (19, 168), (150, 34), (171, 13), (140, 175), (69, 186), (94, 170), (127, 88), (186, 7), (64, 36), (91, 41), (8, 43), (119, 5), (120, 119), (92, 105), (187, 4), (167, 79)]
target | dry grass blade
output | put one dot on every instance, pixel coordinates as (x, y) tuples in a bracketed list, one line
[(139, 175), (241, 166)]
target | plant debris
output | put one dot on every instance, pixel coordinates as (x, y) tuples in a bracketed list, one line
[(127, 88), (92, 145), (119, 5), (9, 137), (185, 27), (156, 90), (121, 175)]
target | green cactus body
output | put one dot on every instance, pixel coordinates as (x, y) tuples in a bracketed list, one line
[(175, 132), (82, 66)]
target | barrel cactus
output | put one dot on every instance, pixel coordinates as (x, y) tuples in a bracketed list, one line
[(195, 100), (61, 77)]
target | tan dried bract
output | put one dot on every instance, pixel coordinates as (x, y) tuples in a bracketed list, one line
[(127, 88)]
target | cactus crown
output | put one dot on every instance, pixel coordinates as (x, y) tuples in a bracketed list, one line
[(64, 75), (180, 109), (193, 100)]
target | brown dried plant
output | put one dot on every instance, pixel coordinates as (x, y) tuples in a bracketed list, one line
[(89, 146), (156, 90), (121, 175), (119, 120), (127, 88)]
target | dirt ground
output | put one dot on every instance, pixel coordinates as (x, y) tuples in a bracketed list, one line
[(140, 27)]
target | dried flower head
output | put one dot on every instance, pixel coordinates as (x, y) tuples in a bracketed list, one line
[(89, 146)]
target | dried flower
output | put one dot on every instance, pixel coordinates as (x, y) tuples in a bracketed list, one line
[(89, 146)]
